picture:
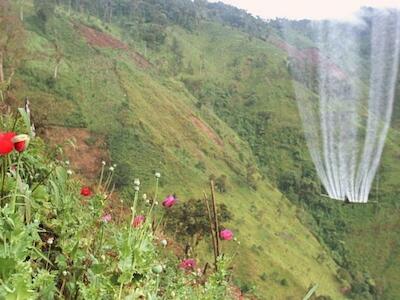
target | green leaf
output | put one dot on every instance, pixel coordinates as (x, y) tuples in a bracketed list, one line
[(7, 267), (26, 120)]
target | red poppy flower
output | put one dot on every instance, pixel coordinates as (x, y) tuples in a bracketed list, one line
[(6, 144), (86, 191), (20, 142)]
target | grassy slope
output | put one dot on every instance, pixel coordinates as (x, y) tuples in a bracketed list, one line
[(373, 237), (104, 89)]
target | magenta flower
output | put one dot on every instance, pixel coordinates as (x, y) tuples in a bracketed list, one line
[(106, 218), (188, 264), (226, 235), (169, 201), (137, 221)]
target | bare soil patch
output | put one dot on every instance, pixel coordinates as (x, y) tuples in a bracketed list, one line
[(103, 40), (85, 153), (207, 130)]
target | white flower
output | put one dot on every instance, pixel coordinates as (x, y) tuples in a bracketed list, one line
[(164, 242), (156, 203), (157, 174), (69, 172), (65, 273), (136, 181), (50, 240), (103, 163), (67, 162), (144, 197), (136, 188), (114, 165), (111, 169)]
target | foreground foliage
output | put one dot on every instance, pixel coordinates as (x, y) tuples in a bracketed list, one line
[(58, 240)]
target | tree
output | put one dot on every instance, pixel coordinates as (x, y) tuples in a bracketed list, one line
[(44, 9), (288, 181), (251, 176), (58, 56), (220, 183), (21, 9), (189, 220), (12, 37), (178, 53)]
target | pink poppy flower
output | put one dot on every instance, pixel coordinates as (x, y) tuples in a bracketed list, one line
[(226, 235), (169, 201), (138, 221), (106, 218), (188, 264)]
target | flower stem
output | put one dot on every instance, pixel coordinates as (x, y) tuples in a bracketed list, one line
[(133, 209), (120, 291), (101, 238), (44, 178), (3, 176), (214, 210), (154, 199), (14, 198), (101, 178), (211, 230)]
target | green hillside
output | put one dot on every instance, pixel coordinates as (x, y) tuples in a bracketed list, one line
[(194, 97)]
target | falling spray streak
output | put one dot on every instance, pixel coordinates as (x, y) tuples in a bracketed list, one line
[(384, 48), (334, 126)]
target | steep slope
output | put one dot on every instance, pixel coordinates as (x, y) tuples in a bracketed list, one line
[(249, 87), (152, 122)]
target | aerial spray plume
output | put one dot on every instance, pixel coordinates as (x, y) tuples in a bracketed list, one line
[(345, 89)]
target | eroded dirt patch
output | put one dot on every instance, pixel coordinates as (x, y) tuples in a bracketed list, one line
[(83, 149), (312, 56), (100, 39), (103, 40), (207, 130)]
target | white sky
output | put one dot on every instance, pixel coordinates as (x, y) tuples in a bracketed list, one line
[(307, 9)]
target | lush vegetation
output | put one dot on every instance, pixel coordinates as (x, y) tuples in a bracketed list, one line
[(201, 90), (60, 240)]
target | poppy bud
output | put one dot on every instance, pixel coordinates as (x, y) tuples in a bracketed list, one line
[(20, 142)]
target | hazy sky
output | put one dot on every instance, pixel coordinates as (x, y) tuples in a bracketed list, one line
[(307, 9)]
